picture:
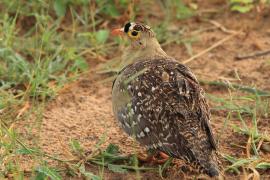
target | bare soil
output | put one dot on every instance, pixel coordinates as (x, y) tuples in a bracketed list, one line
[(83, 110)]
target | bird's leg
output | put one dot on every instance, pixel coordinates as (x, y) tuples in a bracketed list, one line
[(161, 158), (163, 155), (156, 158)]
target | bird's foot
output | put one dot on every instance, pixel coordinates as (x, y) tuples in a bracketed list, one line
[(158, 158)]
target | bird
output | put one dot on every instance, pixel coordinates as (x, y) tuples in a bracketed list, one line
[(159, 102)]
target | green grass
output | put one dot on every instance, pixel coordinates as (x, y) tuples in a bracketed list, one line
[(46, 44), (244, 112), (245, 6), (39, 54), (43, 46)]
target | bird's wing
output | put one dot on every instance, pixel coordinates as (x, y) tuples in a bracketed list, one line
[(162, 105), (202, 108), (165, 98)]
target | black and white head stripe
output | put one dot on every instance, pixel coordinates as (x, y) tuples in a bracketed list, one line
[(136, 27), (126, 28)]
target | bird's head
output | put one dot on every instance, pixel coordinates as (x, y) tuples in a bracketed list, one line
[(138, 33), (142, 38)]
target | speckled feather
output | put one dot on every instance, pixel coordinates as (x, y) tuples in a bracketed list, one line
[(159, 102), (164, 108)]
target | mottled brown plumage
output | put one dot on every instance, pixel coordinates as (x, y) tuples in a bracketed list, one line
[(159, 102)]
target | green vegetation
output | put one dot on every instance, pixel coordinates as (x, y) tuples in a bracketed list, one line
[(46, 44), (41, 51), (244, 112), (244, 6)]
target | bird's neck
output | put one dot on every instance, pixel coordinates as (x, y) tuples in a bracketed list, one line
[(150, 51)]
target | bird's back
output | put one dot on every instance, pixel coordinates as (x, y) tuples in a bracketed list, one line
[(162, 105)]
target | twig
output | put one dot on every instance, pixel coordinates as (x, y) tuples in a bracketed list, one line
[(236, 86), (252, 55), (123, 166), (237, 145), (221, 27), (24, 109), (211, 47)]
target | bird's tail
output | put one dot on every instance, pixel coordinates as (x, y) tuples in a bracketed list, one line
[(209, 166), (211, 170)]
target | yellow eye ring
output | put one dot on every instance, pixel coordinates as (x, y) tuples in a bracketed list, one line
[(134, 34)]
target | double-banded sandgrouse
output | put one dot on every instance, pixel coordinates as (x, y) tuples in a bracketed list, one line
[(159, 102)]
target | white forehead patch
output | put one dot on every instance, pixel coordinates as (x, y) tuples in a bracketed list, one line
[(132, 25)]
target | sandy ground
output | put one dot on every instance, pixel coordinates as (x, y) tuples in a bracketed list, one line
[(83, 110)]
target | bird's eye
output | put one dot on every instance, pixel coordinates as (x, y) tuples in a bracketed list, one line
[(134, 34)]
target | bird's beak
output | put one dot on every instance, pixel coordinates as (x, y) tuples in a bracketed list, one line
[(117, 32)]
